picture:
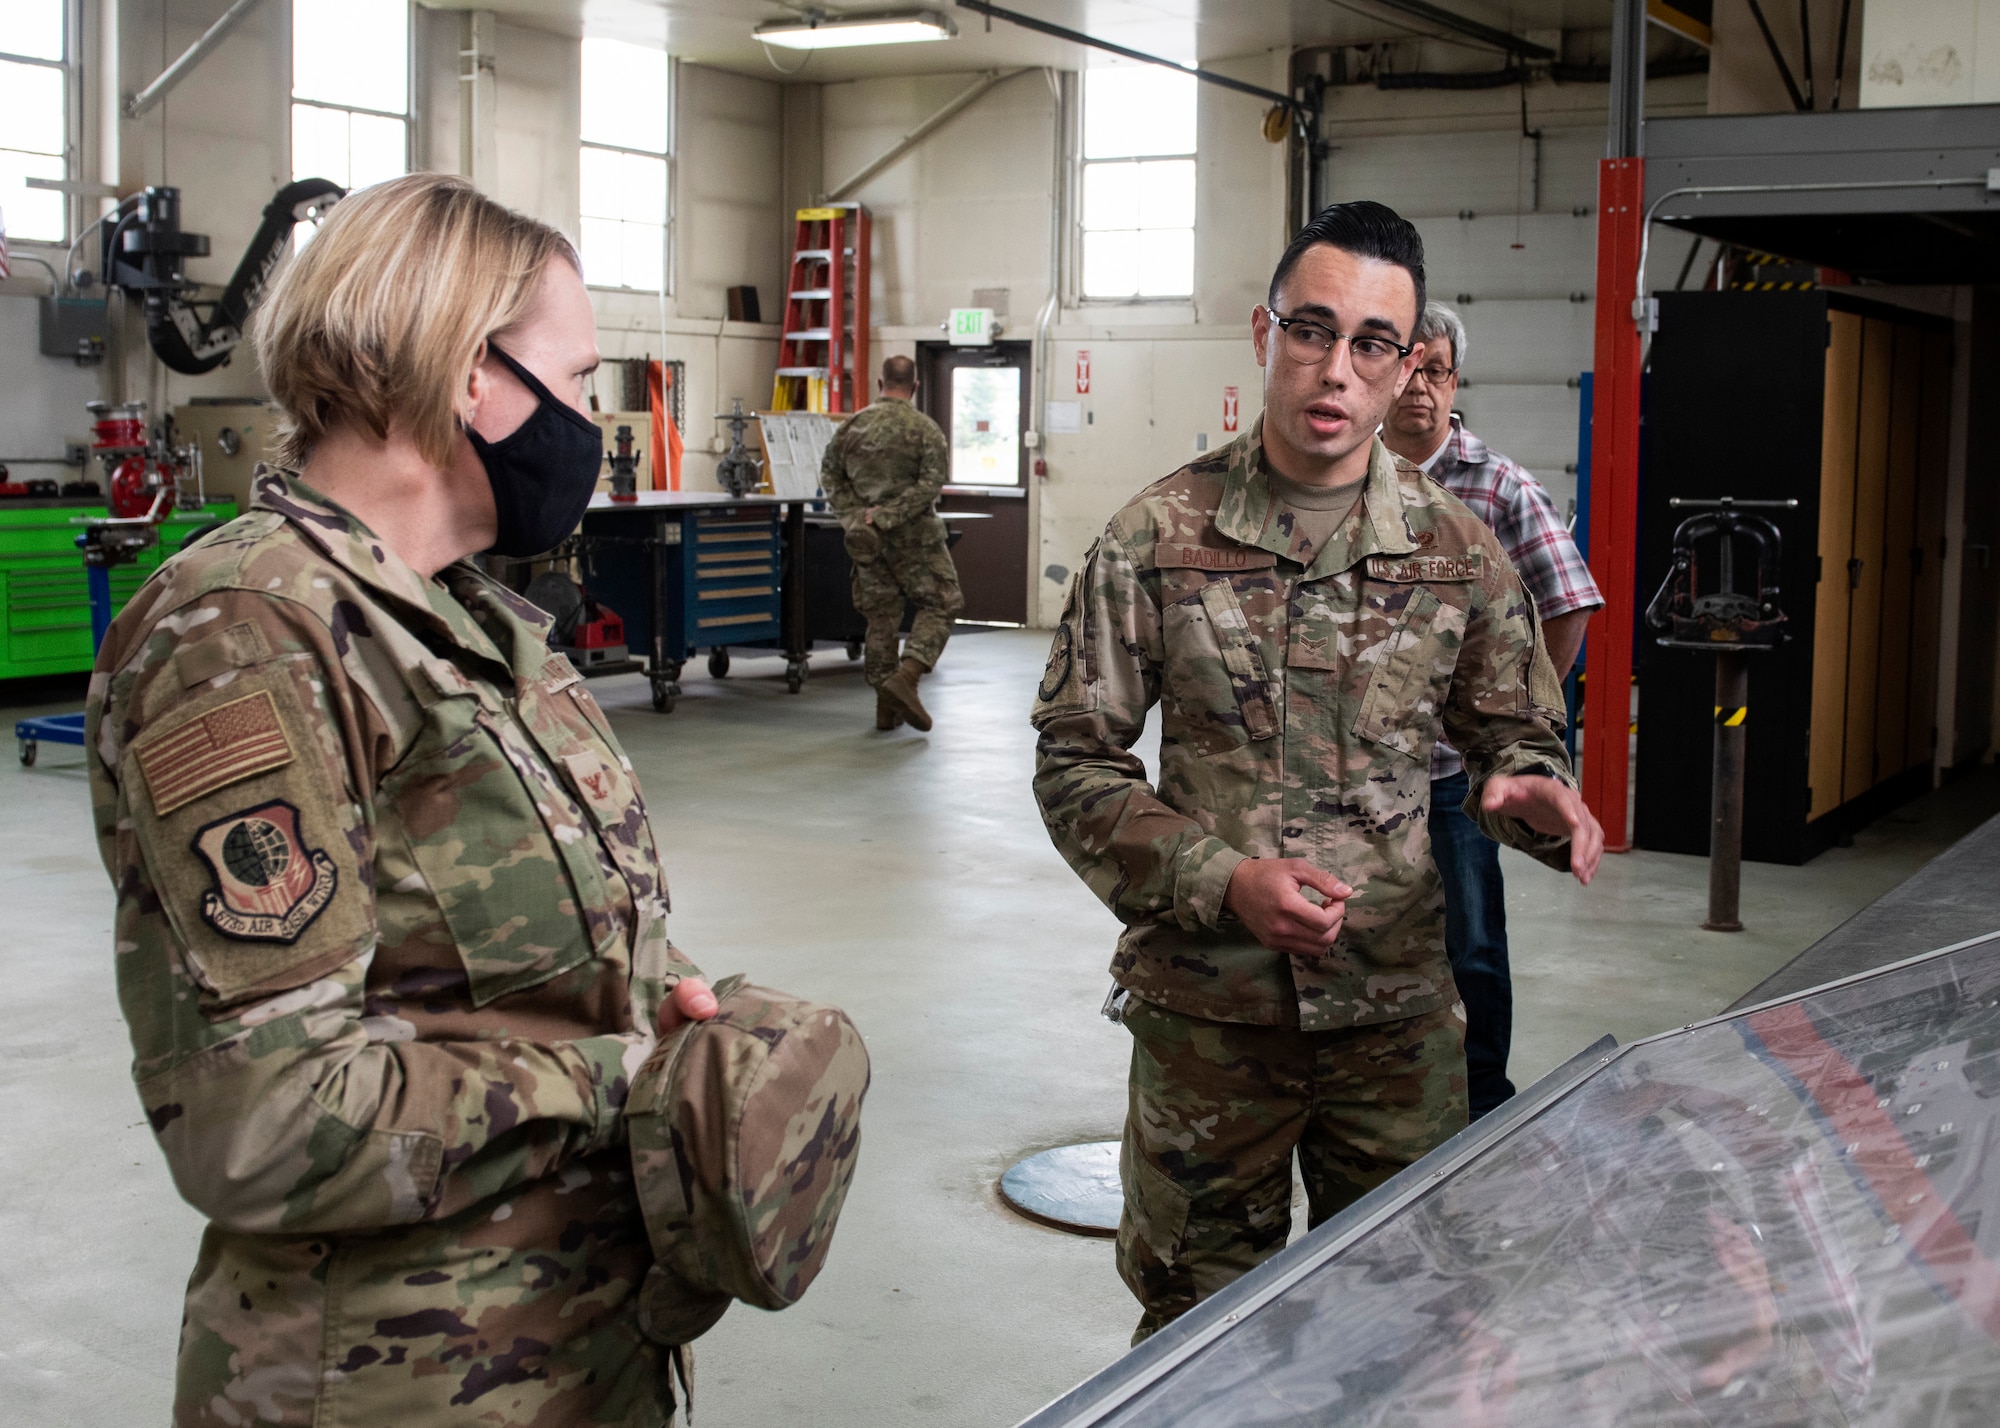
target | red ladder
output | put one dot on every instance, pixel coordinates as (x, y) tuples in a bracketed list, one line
[(823, 352)]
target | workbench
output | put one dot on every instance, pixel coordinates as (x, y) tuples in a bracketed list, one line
[(710, 569), (692, 569), (830, 612)]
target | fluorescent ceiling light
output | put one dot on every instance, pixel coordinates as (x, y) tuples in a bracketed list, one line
[(816, 30)]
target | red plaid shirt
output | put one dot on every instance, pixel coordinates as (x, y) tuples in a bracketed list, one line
[(1516, 508)]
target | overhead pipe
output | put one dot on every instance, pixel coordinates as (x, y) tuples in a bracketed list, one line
[(1470, 29), (193, 55), (1671, 67), (1078, 37), (917, 135), (1453, 79)]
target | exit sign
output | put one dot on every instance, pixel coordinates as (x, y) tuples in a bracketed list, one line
[(971, 327)]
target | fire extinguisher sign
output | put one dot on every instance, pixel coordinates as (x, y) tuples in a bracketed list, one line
[(1082, 369), (1229, 408)]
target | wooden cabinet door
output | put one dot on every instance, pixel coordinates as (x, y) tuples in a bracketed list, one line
[(1927, 542), (1828, 732), (1871, 490), (1899, 525)]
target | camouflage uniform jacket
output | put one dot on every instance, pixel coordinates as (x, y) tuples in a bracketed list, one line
[(1298, 705), (390, 941), (888, 455)]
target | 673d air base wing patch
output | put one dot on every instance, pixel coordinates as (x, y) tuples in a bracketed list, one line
[(269, 885)]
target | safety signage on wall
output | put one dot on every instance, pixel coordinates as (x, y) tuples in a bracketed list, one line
[(1229, 408), (1082, 369)]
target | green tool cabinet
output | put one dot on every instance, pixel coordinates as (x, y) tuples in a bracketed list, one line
[(44, 591)]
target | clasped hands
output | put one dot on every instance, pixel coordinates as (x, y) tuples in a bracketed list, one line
[(690, 1000), (1268, 894)]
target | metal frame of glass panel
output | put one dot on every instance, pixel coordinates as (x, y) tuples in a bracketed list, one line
[(1773, 1216)]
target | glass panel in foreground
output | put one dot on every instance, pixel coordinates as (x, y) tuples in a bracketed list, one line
[(1788, 1217)]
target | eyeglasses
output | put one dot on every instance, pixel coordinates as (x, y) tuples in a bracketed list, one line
[(1312, 343), (1434, 373)]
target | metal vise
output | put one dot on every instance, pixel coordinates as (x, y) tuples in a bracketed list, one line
[(1691, 617), (739, 473)]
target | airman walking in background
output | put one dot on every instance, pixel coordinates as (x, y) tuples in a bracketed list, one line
[(883, 472)]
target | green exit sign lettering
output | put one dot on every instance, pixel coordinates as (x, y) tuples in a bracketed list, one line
[(971, 326)]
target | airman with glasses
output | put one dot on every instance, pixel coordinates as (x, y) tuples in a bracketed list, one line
[(1308, 613)]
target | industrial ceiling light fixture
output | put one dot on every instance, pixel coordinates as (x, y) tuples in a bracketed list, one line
[(818, 30)]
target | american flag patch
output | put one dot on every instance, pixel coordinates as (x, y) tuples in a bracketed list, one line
[(230, 742)]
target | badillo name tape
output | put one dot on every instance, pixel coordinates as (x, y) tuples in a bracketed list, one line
[(1204, 557)]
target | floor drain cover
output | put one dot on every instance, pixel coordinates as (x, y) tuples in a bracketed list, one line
[(1073, 1187)]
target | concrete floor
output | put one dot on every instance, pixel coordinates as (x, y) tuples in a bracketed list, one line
[(905, 877)]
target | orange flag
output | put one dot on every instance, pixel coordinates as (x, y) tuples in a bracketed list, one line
[(666, 435)]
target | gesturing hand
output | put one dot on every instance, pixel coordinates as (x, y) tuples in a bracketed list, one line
[(1549, 806), (1265, 894), (690, 1000)]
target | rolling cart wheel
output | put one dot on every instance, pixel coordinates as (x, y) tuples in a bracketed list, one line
[(854, 649), (29, 748), (664, 694), (718, 661), (795, 675)]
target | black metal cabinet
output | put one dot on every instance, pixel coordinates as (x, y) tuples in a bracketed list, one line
[(1842, 405)]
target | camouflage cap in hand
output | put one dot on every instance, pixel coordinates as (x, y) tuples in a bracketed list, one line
[(744, 1131), (863, 542)]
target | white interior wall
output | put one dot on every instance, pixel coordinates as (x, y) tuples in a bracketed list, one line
[(530, 98), (1931, 52), (44, 396), (1457, 165), (222, 136), (728, 229), (967, 208)]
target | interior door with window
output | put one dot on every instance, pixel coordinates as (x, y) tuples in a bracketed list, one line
[(979, 395)]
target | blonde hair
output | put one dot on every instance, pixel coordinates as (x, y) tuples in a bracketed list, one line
[(380, 320)]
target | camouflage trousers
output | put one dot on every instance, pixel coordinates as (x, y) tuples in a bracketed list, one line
[(1217, 1110), (916, 567)]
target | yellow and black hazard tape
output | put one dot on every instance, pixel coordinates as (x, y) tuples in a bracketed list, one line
[(1732, 718)]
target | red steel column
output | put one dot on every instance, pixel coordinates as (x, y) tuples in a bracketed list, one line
[(1614, 497)]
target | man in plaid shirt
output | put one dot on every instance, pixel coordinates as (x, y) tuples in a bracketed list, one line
[(1422, 429)]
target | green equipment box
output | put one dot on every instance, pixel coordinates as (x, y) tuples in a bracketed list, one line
[(44, 591)]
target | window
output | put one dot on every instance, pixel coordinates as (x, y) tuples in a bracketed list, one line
[(350, 90), (622, 188), (1138, 182), (986, 426), (34, 103)]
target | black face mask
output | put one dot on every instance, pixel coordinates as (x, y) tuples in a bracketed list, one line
[(543, 474)]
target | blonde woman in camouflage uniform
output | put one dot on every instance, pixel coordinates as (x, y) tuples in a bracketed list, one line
[(390, 920), (1309, 612)]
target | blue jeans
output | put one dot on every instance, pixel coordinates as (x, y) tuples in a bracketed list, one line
[(1475, 939)]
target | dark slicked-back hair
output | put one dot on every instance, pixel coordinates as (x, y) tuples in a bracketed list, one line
[(1367, 230), (899, 372)]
